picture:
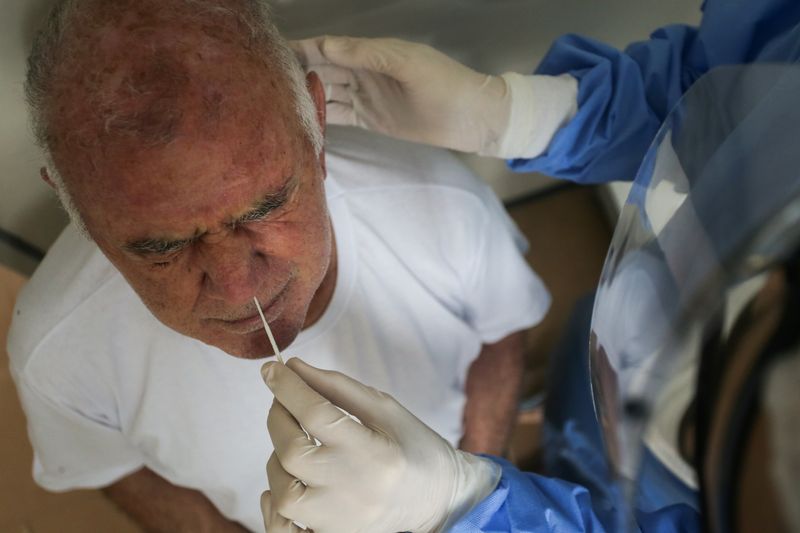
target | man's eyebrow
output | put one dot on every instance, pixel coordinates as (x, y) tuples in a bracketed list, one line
[(269, 203), (157, 246), (261, 208)]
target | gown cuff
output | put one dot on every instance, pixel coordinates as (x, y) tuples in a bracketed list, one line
[(540, 106)]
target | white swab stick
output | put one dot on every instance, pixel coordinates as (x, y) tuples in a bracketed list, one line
[(269, 332)]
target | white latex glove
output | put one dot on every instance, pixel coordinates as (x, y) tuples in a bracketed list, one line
[(414, 92), (393, 473)]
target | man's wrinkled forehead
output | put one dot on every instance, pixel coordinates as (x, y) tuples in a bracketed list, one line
[(160, 105), (143, 73)]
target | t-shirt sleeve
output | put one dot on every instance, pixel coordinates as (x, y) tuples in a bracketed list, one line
[(502, 292), (71, 450)]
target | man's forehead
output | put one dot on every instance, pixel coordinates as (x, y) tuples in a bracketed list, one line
[(165, 127), (188, 184), (146, 72), (152, 99), (176, 139)]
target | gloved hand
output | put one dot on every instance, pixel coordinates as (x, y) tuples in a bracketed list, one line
[(388, 473), (414, 92)]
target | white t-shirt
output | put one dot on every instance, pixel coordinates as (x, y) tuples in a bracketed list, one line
[(430, 267)]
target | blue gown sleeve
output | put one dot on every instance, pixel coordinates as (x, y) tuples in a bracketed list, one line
[(624, 96), (528, 503), (524, 502)]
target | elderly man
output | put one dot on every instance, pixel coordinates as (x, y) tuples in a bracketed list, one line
[(187, 145)]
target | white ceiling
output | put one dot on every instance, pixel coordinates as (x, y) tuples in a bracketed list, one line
[(490, 35)]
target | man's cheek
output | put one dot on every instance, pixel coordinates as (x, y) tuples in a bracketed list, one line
[(168, 294)]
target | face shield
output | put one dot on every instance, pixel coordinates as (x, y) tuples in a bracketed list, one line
[(695, 336)]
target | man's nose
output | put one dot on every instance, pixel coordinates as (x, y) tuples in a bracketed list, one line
[(231, 267)]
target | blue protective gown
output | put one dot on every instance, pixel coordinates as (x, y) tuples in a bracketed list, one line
[(623, 98)]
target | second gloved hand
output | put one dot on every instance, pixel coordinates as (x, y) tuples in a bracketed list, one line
[(386, 474), (414, 92), (408, 90)]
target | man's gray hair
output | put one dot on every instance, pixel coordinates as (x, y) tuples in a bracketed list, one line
[(47, 51)]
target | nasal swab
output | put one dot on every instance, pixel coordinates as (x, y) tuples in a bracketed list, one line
[(277, 353), (269, 332)]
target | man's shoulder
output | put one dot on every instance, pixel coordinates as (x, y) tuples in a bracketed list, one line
[(368, 164), (420, 204), (62, 292)]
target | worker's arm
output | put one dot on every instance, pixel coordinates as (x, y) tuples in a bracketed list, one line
[(621, 97), (624, 96), (523, 502), (392, 473), (159, 506), (493, 388)]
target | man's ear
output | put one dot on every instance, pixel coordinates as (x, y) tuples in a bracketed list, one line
[(45, 175), (317, 92)]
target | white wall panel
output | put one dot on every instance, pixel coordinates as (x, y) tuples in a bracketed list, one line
[(26, 206)]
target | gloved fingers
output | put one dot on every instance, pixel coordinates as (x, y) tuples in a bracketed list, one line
[(308, 51), (369, 405), (273, 522), (380, 55), (286, 491), (340, 114), (333, 75), (338, 93), (298, 455), (310, 409), (322, 510)]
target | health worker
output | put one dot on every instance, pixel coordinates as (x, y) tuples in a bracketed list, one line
[(677, 410)]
